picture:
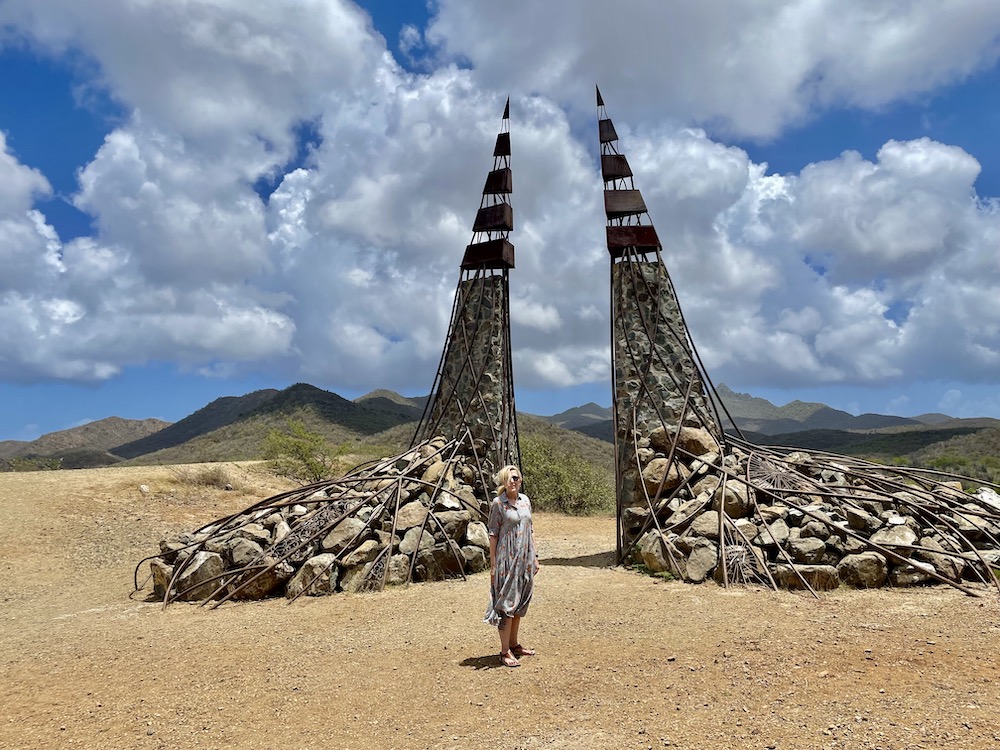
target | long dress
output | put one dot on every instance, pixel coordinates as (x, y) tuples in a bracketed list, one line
[(512, 586)]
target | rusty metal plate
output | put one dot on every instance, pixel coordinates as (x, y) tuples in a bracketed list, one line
[(619, 203), (503, 145), (642, 238), (490, 254), (499, 181), (498, 218), (607, 129), (615, 167)]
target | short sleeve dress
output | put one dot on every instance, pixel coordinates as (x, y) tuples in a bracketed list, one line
[(513, 585)]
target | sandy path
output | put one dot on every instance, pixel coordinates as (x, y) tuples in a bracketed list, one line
[(624, 661)]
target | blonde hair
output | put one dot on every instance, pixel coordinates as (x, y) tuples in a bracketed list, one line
[(503, 475)]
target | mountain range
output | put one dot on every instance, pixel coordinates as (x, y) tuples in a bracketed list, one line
[(234, 427)]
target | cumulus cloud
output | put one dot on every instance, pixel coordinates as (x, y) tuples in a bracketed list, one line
[(751, 69), (850, 271)]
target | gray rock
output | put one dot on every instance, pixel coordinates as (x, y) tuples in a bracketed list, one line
[(910, 575), (819, 577), (944, 564), (241, 552), (774, 534), (660, 470), (201, 576), (414, 539), (398, 570), (410, 515), (685, 511), (706, 525), (808, 550), (894, 536), (660, 555), (860, 520), (365, 552), (455, 522), (863, 570), (161, 576), (747, 528), (735, 499), (352, 579), (316, 577), (475, 558), (701, 562), (342, 534), (260, 584), (476, 533), (815, 529)]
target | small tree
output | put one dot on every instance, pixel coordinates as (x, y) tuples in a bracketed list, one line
[(299, 454), (559, 480)]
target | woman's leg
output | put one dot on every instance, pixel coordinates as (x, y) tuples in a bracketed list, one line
[(515, 644), (515, 623), (505, 631)]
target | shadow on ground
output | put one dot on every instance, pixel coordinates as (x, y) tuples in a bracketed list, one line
[(482, 662), (598, 560)]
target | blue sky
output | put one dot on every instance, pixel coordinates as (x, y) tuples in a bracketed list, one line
[(203, 199)]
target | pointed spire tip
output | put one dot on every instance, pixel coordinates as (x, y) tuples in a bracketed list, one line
[(600, 99), (506, 109)]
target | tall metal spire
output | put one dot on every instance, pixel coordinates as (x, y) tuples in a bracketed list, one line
[(473, 391)]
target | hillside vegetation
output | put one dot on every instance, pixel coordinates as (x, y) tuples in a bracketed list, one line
[(383, 423)]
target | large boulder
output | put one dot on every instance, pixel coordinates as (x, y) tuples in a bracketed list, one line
[(316, 577), (661, 476), (342, 534), (819, 577), (476, 533), (865, 570), (410, 515), (201, 577)]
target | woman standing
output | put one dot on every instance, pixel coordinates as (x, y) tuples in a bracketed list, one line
[(513, 563)]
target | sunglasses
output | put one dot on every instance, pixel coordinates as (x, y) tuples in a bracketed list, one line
[(515, 479)]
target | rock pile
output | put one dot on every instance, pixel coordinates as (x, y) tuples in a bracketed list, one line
[(418, 516), (797, 520)]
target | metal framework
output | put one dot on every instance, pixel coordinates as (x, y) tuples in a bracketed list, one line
[(674, 462), (474, 387), (350, 527)]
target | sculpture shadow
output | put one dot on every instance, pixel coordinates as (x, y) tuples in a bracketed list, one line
[(597, 560)]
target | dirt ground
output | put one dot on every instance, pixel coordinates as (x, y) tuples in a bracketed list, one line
[(624, 661)]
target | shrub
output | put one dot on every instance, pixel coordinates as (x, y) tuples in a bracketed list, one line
[(32, 463), (216, 476), (299, 454), (561, 481)]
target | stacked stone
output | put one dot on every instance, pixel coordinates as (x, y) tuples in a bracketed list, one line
[(799, 521), (472, 381), (653, 367), (418, 516)]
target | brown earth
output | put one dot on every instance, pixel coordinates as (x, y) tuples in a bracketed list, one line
[(624, 661)]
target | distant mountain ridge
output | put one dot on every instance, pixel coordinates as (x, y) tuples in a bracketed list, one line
[(234, 427)]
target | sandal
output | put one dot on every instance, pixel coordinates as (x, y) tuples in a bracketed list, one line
[(508, 660), (520, 651)]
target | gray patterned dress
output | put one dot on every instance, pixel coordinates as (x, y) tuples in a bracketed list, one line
[(513, 585)]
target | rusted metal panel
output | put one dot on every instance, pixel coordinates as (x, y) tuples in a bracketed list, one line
[(619, 203), (489, 254), (607, 129), (503, 145), (499, 181), (642, 238), (498, 218), (615, 167)]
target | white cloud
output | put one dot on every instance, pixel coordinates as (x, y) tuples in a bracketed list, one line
[(749, 68), (852, 271)]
